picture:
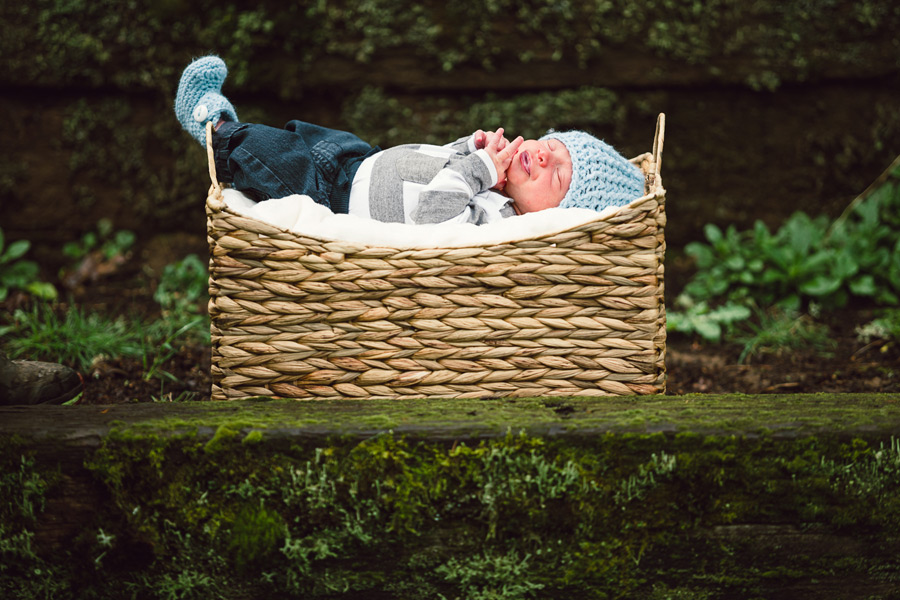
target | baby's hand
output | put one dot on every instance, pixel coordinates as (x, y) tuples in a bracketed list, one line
[(483, 138), (501, 152)]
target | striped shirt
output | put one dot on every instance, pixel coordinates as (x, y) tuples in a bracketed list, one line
[(418, 183)]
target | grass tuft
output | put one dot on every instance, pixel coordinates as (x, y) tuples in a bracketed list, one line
[(77, 338), (74, 338), (780, 331)]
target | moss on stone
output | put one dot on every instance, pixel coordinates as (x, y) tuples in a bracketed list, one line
[(254, 436), (773, 415), (533, 498), (222, 438)]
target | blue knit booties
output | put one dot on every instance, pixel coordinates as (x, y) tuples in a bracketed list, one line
[(199, 98), (601, 177)]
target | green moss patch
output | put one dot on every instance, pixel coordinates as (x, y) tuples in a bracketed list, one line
[(778, 415)]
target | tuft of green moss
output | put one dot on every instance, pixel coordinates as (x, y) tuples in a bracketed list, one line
[(254, 436), (221, 440)]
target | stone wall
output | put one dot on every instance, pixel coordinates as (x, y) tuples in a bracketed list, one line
[(772, 107), (692, 497)]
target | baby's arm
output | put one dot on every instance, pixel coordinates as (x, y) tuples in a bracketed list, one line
[(452, 189)]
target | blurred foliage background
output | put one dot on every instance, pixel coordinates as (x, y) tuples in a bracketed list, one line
[(772, 106)]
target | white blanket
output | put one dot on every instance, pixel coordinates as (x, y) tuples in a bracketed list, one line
[(302, 215)]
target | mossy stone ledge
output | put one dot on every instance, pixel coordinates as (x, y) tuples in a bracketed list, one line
[(689, 497)]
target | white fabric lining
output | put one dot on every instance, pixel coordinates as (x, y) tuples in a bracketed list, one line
[(300, 214)]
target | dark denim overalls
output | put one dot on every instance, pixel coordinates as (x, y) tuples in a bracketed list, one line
[(265, 162)]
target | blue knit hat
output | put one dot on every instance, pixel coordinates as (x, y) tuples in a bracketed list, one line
[(601, 177), (199, 98)]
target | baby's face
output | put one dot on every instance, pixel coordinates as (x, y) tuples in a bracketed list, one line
[(539, 175)]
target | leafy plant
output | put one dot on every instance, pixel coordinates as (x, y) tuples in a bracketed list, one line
[(707, 322), (16, 273), (182, 285), (868, 245), (104, 239), (806, 259), (885, 327), (806, 263)]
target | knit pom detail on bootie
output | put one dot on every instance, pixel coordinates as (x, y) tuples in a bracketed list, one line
[(199, 98), (601, 177)]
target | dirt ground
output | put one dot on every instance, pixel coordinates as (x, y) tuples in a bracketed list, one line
[(851, 366), (692, 366)]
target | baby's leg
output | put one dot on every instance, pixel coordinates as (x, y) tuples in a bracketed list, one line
[(265, 162), (302, 158), (337, 156), (199, 98)]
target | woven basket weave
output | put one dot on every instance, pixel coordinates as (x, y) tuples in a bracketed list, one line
[(575, 313)]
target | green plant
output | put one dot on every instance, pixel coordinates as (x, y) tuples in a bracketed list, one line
[(159, 344), (806, 262), (700, 318), (806, 259), (647, 477), (182, 288), (779, 331), (490, 577), (757, 265), (661, 591), (183, 584), (183, 284), (867, 243), (77, 338), (74, 338), (885, 327), (23, 491), (104, 239), (16, 273)]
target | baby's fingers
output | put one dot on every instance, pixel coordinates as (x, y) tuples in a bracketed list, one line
[(480, 139), (510, 149), (494, 139)]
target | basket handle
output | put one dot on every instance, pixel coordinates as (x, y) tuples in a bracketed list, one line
[(209, 154), (658, 142)]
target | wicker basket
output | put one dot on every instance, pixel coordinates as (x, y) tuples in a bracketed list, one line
[(576, 313)]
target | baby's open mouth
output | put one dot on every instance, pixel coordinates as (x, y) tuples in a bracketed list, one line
[(525, 159)]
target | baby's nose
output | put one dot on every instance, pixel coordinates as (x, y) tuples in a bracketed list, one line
[(542, 157)]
